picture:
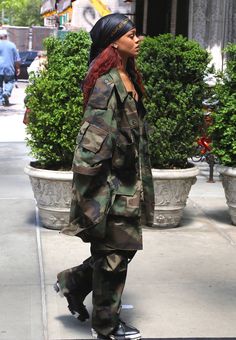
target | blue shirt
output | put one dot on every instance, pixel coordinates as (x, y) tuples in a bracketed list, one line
[(8, 57)]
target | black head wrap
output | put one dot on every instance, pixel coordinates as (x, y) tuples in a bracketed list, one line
[(106, 30)]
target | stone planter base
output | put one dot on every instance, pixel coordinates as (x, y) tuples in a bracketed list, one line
[(171, 192), (52, 191), (228, 176)]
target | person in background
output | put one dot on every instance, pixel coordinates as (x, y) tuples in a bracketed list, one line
[(9, 67), (38, 64), (112, 193)]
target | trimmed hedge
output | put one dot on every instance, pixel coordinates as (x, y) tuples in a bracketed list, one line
[(55, 101), (173, 70), (223, 130)]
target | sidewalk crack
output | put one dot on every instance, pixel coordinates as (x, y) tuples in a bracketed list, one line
[(213, 225)]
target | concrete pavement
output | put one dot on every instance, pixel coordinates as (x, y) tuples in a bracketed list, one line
[(181, 286), (11, 116)]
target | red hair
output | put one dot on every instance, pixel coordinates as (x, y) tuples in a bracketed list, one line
[(108, 59)]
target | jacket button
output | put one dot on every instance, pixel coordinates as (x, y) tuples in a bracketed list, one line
[(134, 122)]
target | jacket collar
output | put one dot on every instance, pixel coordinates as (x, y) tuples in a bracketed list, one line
[(118, 84)]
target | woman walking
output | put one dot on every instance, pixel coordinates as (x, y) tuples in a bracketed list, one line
[(112, 191)]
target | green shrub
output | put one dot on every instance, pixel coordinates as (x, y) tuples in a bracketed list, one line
[(55, 100), (223, 130), (173, 70)]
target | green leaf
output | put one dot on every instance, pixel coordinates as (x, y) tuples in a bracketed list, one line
[(173, 70), (55, 100)]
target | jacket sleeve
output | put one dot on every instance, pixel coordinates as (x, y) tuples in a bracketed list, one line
[(96, 137), (93, 186)]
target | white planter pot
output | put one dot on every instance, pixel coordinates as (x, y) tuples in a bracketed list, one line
[(171, 189), (228, 176), (52, 191)]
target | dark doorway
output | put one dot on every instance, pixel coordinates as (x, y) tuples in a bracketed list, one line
[(153, 17), (182, 17), (159, 14)]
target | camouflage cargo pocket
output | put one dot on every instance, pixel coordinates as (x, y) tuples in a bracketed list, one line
[(93, 138), (125, 152), (89, 212), (127, 201)]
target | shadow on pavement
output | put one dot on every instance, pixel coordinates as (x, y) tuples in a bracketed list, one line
[(69, 321), (219, 215)]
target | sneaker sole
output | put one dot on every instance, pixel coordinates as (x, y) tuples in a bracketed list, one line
[(6, 99), (58, 290), (129, 337)]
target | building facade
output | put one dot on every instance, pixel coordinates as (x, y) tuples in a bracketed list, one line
[(210, 22)]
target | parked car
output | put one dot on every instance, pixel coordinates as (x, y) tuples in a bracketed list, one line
[(26, 59)]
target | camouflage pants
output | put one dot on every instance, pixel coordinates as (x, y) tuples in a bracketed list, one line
[(104, 273)]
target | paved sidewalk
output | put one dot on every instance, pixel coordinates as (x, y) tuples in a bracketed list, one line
[(181, 286), (11, 117)]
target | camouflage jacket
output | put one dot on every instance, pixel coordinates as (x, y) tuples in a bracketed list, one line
[(112, 173)]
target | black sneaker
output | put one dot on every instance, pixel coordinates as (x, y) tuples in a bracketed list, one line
[(122, 332), (75, 306), (6, 99)]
